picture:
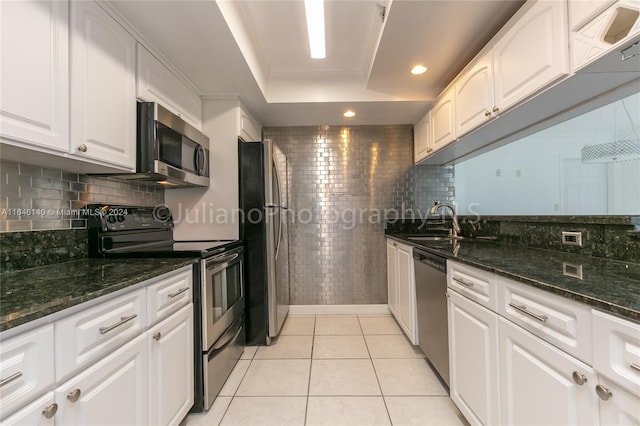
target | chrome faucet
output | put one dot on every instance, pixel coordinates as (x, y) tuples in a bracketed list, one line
[(454, 217)]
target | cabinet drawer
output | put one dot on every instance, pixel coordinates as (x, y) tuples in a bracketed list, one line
[(34, 414), (169, 294), (617, 354), (558, 320), (96, 331), (26, 367), (478, 285)]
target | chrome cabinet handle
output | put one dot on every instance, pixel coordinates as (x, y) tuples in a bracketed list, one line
[(82, 148), (523, 309), (580, 379), (603, 393), (487, 113), (464, 283), (74, 395), (496, 109), (123, 320), (50, 411), (11, 378), (635, 366), (157, 336), (179, 292)]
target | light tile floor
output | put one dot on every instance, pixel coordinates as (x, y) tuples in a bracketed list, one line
[(333, 370)]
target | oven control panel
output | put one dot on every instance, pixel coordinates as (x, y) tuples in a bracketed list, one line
[(107, 218)]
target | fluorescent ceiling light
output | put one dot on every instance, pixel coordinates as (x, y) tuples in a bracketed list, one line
[(418, 69), (315, 27), (349, 114)]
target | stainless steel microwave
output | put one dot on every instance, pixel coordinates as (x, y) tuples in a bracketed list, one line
[(169, 151)]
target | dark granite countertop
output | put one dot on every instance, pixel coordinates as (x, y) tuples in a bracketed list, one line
[(608, 285), (29, 294)]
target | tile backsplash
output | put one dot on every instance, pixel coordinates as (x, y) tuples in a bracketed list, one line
[(34, 198), (340, 179)]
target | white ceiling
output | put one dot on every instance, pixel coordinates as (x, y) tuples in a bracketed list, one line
[(258, 50)]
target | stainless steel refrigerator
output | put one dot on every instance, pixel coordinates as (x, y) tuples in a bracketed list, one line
[(264, 232)]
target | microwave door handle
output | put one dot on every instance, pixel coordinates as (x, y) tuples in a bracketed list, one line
[(199, 160)]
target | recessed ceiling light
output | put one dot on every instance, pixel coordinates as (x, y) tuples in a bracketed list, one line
[(418, 69), (349, 114), (314, 10)]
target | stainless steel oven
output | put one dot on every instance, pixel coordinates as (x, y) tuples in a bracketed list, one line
[(222, 319)]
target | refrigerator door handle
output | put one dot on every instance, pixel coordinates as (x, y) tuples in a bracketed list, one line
[(279, 232)]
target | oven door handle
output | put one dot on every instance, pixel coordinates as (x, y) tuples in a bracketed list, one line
[(226, 339), (224, 259)]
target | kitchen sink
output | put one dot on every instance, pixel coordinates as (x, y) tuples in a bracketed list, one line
[(436, 238)]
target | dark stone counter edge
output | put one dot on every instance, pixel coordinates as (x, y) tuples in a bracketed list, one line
[(587, 300), (61, 304), (594, 220)]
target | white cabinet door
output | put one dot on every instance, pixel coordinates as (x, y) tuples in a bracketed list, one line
[(537, 385), (103, 93), (40, 412), (406, 291), (473, 360), (156, 83), (34, 72), (26, 367), (621, 407), (392, 281), (532, 54), (248, 129), (113, 391), (422, 138), (582, 11), (474, 96), (443, 121), (171, 368)]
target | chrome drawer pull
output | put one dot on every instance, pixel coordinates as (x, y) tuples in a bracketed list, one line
[(603, 393), (179, 292), (635, 366), (123, 320), (464, 283), (523, 309), (11, 378)]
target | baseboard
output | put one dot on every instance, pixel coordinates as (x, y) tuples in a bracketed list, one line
[(339, 310)]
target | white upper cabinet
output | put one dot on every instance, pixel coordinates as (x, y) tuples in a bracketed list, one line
[(604, 32), (156, 83), (443, 121), (474, 96), (103, 90), (34, 70), (582, 11), (532, 54), (422, 138)]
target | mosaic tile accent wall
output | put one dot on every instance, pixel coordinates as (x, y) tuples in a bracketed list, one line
[(34, 198), (343, 183)]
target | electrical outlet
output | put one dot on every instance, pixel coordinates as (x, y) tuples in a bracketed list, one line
[(572, 238), (572, 270)]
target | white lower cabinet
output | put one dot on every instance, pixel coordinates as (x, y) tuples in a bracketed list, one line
[(473, 360), (114, 364), (111, 392), (40, 412), (618, 407), (542, 385), (402, 288), (171, 368)]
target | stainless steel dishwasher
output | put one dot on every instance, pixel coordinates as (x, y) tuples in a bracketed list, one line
[(431, 295)]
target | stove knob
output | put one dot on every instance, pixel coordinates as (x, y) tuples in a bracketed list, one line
[(120, 218), (111, 218)]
